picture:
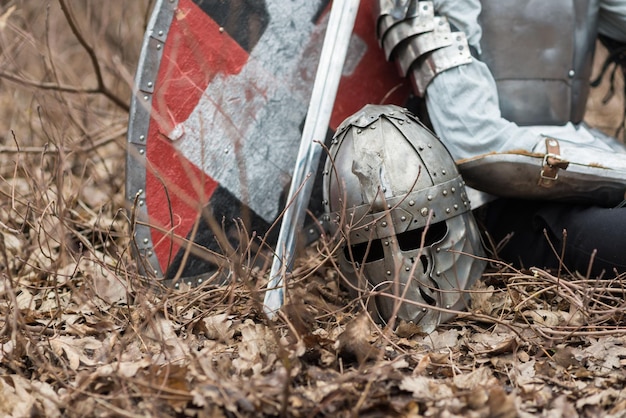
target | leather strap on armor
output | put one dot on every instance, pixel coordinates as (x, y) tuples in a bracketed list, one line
[(422, 44), (552, 163)]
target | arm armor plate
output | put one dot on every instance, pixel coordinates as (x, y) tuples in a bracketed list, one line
[(422, 44)]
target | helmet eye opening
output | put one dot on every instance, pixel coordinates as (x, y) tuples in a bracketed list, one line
[(365, 252), (412, 240)]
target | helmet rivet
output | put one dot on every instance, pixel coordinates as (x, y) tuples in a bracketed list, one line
[(438, 273), (443, 172), (448, 210), (424, 212), (445, 192), (411, 202), (429, 197), (384, 224), (403, 218)]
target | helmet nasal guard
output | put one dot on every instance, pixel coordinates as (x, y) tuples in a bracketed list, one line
[(410, 239)]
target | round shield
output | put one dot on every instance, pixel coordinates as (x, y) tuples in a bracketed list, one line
[(222, 89)]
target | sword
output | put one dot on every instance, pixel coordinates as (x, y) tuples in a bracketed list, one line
[(334, 50)]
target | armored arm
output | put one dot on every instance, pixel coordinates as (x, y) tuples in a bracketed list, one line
[(421, 44)]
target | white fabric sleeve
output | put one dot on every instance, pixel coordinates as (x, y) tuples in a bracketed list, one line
[(612, 19), (463, 102)]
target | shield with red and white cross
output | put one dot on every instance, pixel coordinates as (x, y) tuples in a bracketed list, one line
[(221, 94)]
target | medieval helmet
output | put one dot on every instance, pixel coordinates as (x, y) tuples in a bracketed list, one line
[(393, 192)]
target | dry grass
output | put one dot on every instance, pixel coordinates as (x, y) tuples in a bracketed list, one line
[(82, 335)]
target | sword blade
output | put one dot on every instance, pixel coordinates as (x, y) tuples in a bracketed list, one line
[(336, 40)]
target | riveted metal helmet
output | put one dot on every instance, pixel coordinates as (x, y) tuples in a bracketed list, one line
[(409, 238)]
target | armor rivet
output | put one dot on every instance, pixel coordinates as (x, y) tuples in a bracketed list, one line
[(384, 189), (358, 131), (424, 212), (425, 7), (140, 191), (453, 190), (429, 145), (423, 309), (456, 207), (429, 197), (158, 46), (421, 148), (142, 137), (460, 46), (189, 284), (387, 243), (150, 253), (146, 240), (388, 206), (324, 202), (149, 83), (199, 281), (142, 151), (401, 122), (448, 210), (311, 231), (325, 172), (571, 73), (177, 286), (438, 273), (403, 218), (160, 33), (225, 150), (445, 192), (411, 202), (384, 224), (373, 127), (367, 228), (448, 306), (553, 143), (146, 97), (388, 273), (438, 250), (141, 202), (221, 29)]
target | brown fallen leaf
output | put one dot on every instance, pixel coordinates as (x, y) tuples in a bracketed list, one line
[(356, 340)]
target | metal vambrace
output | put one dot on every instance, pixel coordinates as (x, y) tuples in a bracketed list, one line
[(421, 44)]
